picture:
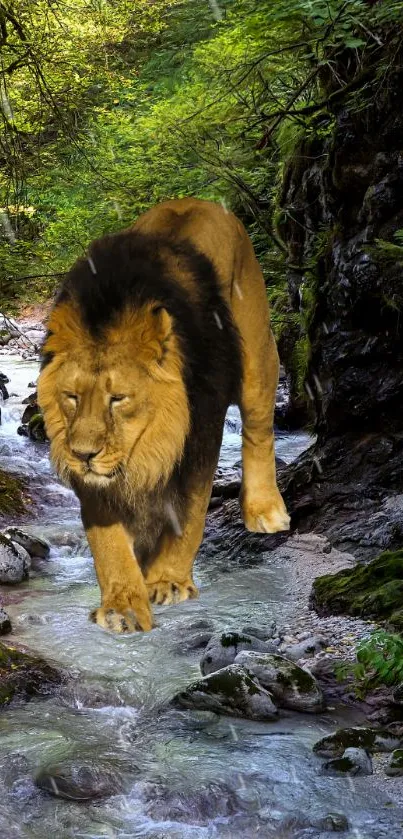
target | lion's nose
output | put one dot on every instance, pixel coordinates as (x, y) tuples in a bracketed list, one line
[(85, 456)]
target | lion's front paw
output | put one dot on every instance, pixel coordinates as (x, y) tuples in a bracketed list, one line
[(115, 621), (124, 617), (166, 592), (266, 515)]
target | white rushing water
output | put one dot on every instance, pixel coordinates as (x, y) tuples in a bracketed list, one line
[(181, 774)]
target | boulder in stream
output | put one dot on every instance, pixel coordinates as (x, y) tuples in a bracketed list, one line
[(23, 675), (395, 765), (14, 562), (223, 647), (34, 545), (353, 762), (370, 739), (5, 623), (80, 780), (291, 686), (231, 690)]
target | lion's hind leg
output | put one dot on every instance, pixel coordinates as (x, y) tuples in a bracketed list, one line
[(263, 508)]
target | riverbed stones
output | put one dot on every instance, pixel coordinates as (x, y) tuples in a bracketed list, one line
[(395, 765), (231, 690), (353, 762), (14, 562), (5, 622), (79, 780), (370, 739), (291, 686), (223, 647), (34, 545), (23, 675)]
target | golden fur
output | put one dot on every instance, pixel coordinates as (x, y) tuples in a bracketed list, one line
[(135, 442)]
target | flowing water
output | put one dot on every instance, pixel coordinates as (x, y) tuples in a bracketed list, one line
[(172, 774)]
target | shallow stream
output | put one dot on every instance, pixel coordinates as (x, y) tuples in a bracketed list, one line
[(173, 774)]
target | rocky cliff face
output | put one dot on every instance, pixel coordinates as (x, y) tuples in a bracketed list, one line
[(342, 202), (342, 210)]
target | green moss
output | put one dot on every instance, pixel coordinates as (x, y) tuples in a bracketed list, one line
[(24, 675), (371, 591), (336, 744), (232, 639), (395, 766), (11, 494), (229, 683)]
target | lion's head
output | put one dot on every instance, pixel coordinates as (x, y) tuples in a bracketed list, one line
[(114, 403)]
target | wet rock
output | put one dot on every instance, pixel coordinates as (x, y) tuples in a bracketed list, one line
[(78, 780), (14, 562), (32, 384), (264, 633), (231, 690), (36, 429), (353, 762), (5, 623), (4, 379), (214, 800), (223, 648), (34, 545), (305, 649), (398, 695), (291, 686), (29, 412), (370, 739), (3, 390), (23, 675), (395, 765), (333, 823), (374, 590)]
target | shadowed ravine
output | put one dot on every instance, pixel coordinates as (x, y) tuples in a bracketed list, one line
[(168, 773)]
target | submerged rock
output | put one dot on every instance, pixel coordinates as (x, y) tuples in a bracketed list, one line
[(78, 780), (14, 562), (23, 675), (370, 739), (231, 690), (223, 648), (395, 765), (5, 623), (333, 823), (353, 762), (292, 686), (33, 544), (371, 591)]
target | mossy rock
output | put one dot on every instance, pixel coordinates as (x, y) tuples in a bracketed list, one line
[(23, 675), (369, 591), (11, 494), (231, 690), (36, 429), (395, 765), (370, 739), (291, 685)]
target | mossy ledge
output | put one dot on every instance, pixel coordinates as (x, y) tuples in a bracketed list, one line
[(11, 494), (23, 675), (368, 591)]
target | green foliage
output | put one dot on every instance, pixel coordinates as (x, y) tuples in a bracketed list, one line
[(109, 106), (379, 661)]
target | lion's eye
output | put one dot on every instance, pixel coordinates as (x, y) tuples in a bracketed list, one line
[(115, 399), (72, 396)]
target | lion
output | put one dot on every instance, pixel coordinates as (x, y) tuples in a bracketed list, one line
[(151, 337)]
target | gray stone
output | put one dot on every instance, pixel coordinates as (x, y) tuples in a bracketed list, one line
[(223, 648), (333, 823), (353, 762), (33, 544), (370, 739), (13, 563), (231, 690), (264, 633), (77, 780), (292, 686), (395, 765), (5, 623), (306, 648)]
